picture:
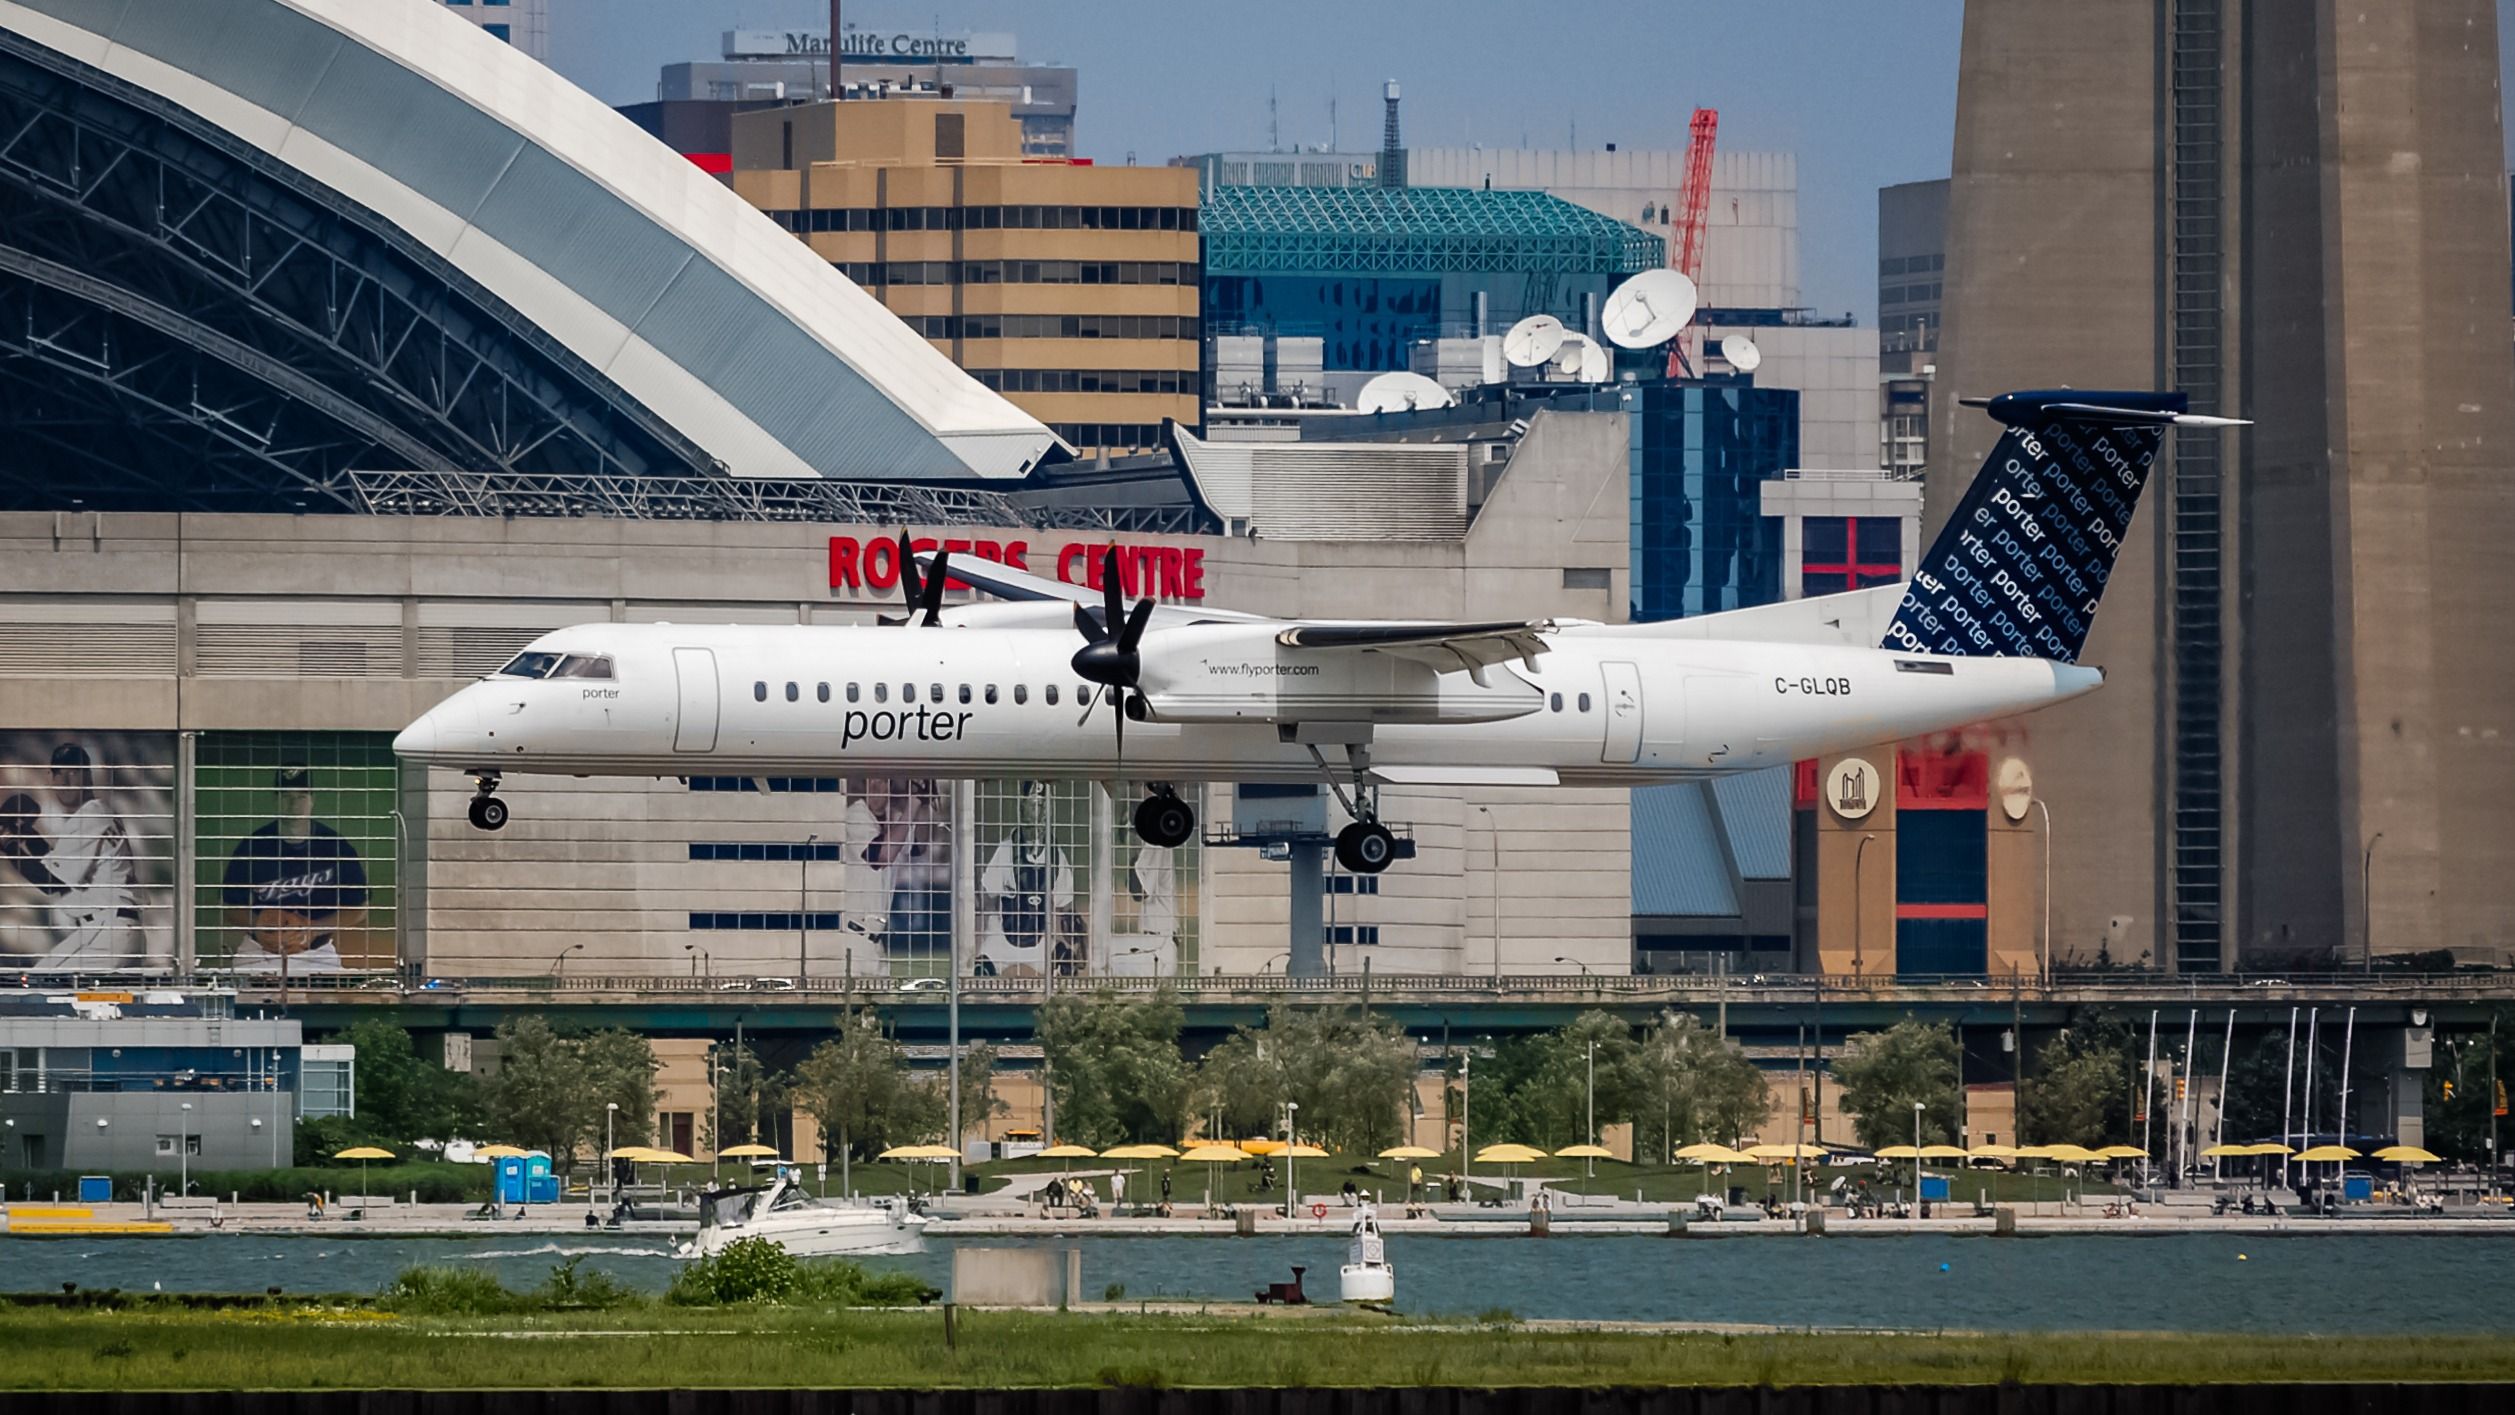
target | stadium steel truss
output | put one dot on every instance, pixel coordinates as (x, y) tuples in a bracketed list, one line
[(188, 324), (1415, 231)]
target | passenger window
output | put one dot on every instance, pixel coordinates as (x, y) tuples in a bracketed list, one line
[(1021, 694), (825, 697), (793, 695), (1556, 702), (991, 695), (1052, 695), (881, 692), (851, 692), (759, 692), (1584, 702), (964, 694), (935, 692), (907, 693)]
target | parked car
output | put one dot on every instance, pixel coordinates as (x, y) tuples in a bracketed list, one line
[(921, 985)]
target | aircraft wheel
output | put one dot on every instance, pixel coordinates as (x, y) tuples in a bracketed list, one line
[(1165, 821), (1365, 848), (488, 813)]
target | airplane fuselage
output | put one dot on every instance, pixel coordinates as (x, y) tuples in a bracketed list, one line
[(1603, 705)]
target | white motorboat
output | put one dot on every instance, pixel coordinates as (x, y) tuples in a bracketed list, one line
[(1366, 1275), (781, 1212)]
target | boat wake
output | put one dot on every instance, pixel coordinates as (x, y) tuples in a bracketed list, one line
[(570, 1250)]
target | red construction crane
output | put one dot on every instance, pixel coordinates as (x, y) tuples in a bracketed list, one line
[(1685, 250)]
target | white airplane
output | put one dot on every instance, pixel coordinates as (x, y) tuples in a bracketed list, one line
[(1989, 626)]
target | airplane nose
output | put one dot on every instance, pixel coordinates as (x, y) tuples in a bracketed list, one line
[(417, 740)]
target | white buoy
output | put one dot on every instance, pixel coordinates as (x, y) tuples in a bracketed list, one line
[(1366, 1275)]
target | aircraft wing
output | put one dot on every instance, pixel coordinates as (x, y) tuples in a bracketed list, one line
[(1007, 583), (1448, 648)]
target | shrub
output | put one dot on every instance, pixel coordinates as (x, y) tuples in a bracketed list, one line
[(745, 1270), (450, 1292), (570, 1286)]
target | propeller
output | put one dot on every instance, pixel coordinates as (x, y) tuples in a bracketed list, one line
[(923, 593), (1108, 656)]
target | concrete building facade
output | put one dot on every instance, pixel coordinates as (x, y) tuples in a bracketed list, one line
[(793, 66), (1912, 284), (522, 23), (2300, 755), (1073, 290)]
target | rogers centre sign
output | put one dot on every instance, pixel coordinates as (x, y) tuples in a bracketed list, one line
[(1165, 571)]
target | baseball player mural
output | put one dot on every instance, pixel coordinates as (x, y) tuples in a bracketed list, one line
[(86, 852), (293, 888)]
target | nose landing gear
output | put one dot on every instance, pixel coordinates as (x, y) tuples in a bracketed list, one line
[(1163, 820), (487, 811)]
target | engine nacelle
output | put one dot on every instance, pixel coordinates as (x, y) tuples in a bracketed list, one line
[(1240, 673)]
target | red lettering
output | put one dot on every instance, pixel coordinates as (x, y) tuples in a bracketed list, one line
[(881, 560), (843, 562), (1170, 576), (957, 547), (1017, 554), (1066, 557), (990, 550), (1192, 574)]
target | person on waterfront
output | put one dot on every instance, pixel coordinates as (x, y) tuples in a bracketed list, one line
[(1117, 1190), (1414, 1182), (1165, 1187)]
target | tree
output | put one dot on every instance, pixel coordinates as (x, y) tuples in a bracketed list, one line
[(979, 1102), (1884, 1073), (855, 1086), (749, 1096), (1115, 1072), (2078, 1090), (1348, 1072), (553, 1088), (1691, 1085), (1537, 1090), (402, 1096)]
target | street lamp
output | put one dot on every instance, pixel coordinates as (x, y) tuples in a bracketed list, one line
[(698, 955), (1857, 919), (1575, 962), (1916, 1161), (1270, 962), (183, 1151), (1589, 1107), (561, 961), (611, 1167), (1292, 1195), (803, 909)]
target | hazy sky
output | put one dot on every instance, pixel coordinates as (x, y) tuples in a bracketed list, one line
[(1865, 94)]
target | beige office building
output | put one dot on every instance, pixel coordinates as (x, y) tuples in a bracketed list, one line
[(1070, 288)]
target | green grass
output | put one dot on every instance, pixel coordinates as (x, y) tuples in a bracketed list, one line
[(308, 1347)]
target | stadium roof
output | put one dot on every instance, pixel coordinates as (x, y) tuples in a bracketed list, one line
[(271, 240), (1415, 231)]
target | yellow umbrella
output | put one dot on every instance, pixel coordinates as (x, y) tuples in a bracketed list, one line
[(1303, 1151), (1509, 1154), (1713, 1152), (1944, 1152), (2327, 1154), (2268, 1147), (2074, 1154), (1068, 1152), (634, 1154), (919, 1152), (1213, 1154), (744, 1152), (362, 1154), (1140, 1152), (2123, 1152), (2033, 1152), (1584, 1152), (1410, 1152), (1992, 1152), (1787, 1152), (2405, 1154), (499, 1152), (661, 1156), (2225, 1152), (1899, 1152), (1262, 1146)]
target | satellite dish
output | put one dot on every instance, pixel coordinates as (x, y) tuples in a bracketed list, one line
[(1398, 392), (1741, 353), (1533, 340), (1595, 365), (1649, 309), (1576, 347)]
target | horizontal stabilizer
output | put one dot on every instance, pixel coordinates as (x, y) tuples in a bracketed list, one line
[(1466, 776)]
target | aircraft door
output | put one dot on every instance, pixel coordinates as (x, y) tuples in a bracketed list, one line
[(694, 726), (1624, 713), (1720, 722)]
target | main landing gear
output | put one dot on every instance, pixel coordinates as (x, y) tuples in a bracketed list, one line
[(487, 811), (1365, 847), (1164, 820)]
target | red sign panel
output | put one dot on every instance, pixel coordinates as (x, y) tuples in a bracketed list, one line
[(1164, 571)]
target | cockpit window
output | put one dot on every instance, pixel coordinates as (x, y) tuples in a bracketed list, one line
[(537, 664)]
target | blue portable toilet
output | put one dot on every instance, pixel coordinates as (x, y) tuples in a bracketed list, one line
[(526, 1179), (2357, 1188), (96, 1189), (1934, 1188)]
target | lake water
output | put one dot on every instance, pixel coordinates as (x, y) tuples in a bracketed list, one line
[(2192, 1282)]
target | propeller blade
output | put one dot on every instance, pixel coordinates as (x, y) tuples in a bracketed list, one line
[(935, 581), (1134, 630), (1090, 700), (910, 583), (1113, 597)]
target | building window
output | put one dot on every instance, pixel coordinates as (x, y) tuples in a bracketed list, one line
[(499, 32), (1353, 884), (165, 1144), (1840, 553), (1354, 933)]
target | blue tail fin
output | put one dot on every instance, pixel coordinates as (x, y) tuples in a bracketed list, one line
[(2017, 571)]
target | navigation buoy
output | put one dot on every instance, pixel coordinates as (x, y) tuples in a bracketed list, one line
[(2244, 1257), (1942, 1267)]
